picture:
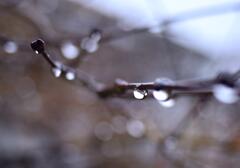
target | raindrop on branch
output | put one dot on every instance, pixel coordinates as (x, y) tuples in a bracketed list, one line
[(161, 95), (91, 43), (56, 72), (70, 75), (140, 94), (10, 47), (69, 50), (225, 94)]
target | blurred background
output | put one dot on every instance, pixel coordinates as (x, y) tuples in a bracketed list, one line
[(49, 122)]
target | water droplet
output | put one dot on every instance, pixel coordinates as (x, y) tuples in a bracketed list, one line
[(69, 50), (225, 94), (139, 94), (10, 47), (56, 72), (70, 75), (89, 44), (135, 128), (169, 103), (161, 95)]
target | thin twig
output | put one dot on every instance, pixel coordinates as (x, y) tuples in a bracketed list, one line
[(120, 86)]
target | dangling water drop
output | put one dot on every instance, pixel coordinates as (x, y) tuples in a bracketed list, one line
[(70, 75), (69, 50), (10, 47), (139, 94), (56, 72), (90, 45), (225, 94), (161, 95)]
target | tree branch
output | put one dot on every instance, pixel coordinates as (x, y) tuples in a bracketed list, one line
[(121, 87)]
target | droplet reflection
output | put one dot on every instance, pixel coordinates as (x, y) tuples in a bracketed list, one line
[(139, 94), (160, 95), (168, 104), (56, 72)]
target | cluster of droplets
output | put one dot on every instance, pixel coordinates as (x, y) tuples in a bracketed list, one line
[(89, 44), (10, 47), (58, 70), (163, 96)]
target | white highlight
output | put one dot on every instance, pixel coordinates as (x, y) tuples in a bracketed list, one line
[(225, 94), (70, 75), (160, 95), (56, 72), (10, 47), (139, 94)]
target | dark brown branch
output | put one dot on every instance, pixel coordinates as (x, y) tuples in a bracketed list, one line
[(121, 87)]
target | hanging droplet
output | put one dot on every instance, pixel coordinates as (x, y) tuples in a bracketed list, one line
[(70, 75), (139, 94), (225, 94), (10, 47), (89, 44), (169, 103), (69, 50), (56, 72), (161, 95)]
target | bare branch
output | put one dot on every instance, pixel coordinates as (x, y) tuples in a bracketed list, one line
[(121, 87)]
